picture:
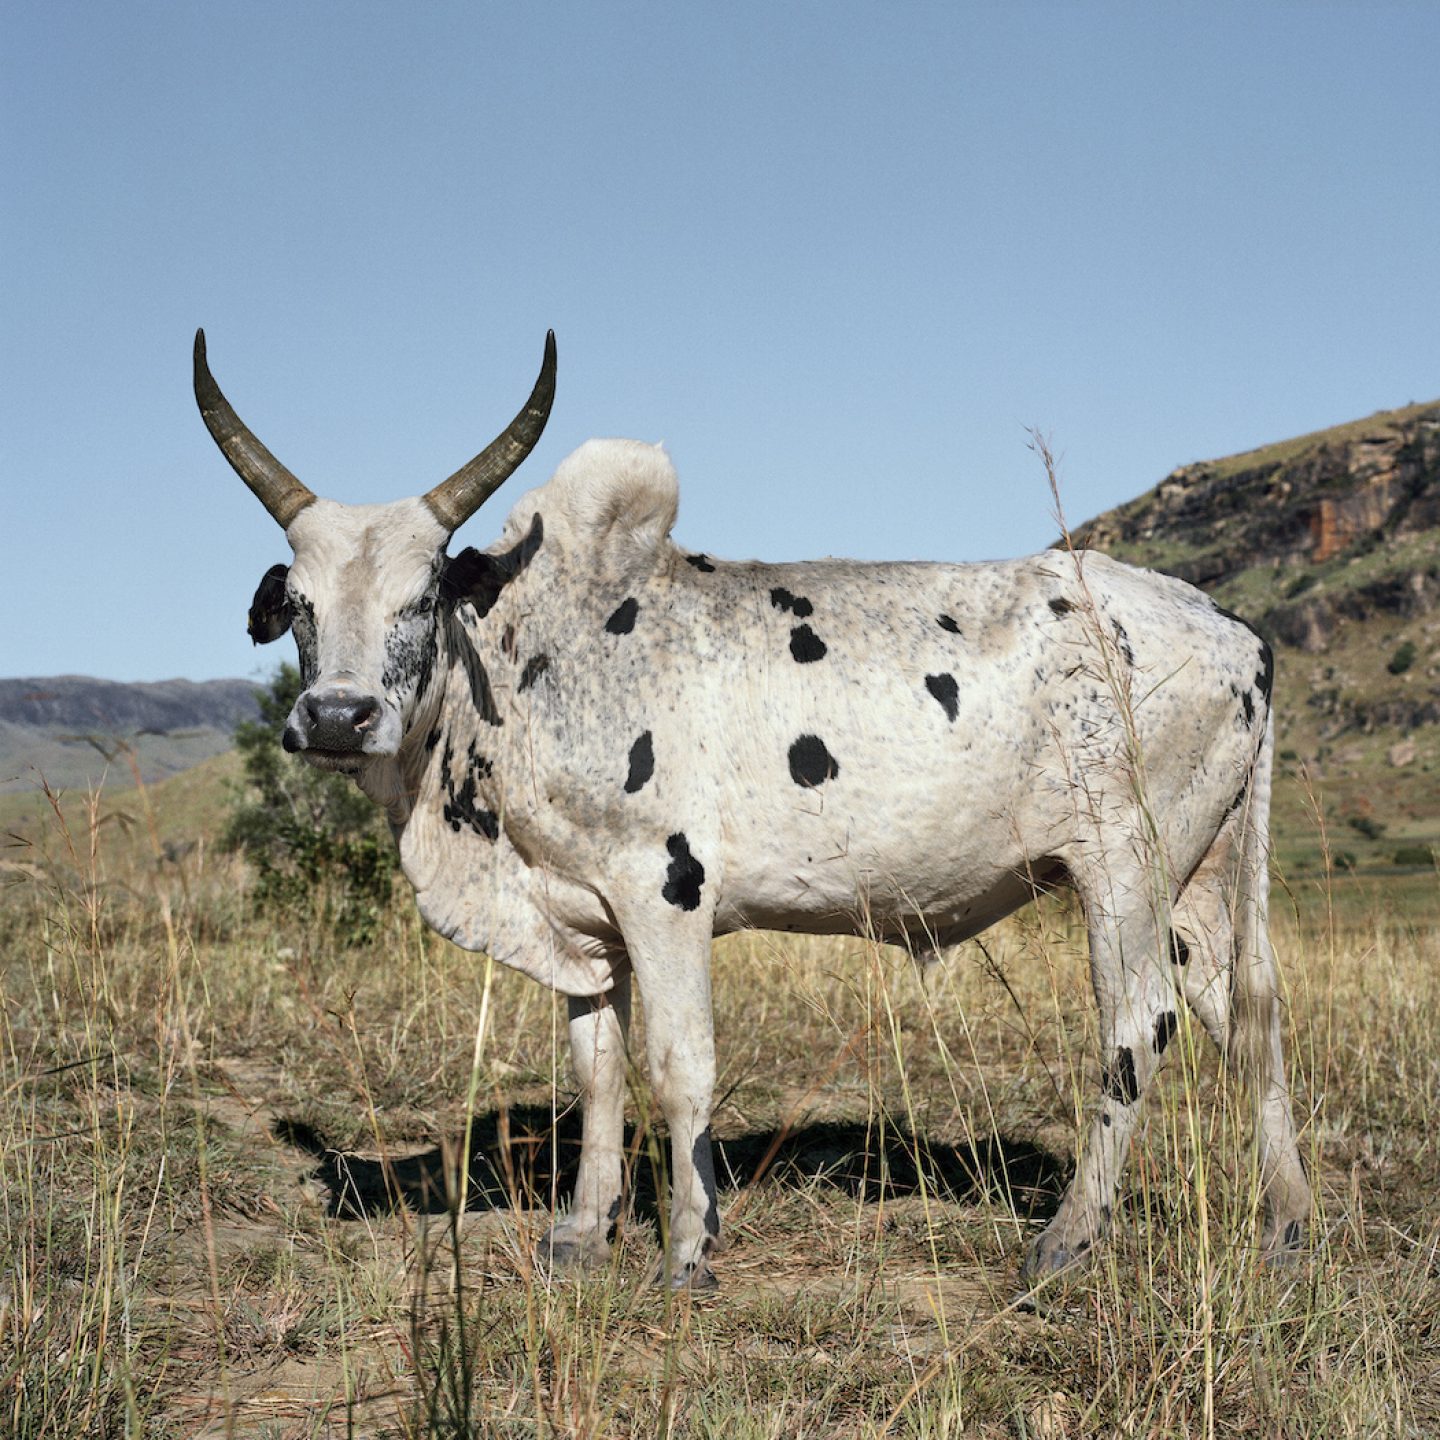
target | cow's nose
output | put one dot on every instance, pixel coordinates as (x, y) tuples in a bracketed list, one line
[(338, 720)]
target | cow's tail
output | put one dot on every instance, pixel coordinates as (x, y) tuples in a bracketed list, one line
[(1254, 1051), (1255, 977)]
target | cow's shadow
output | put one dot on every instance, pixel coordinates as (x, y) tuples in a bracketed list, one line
[(526, 1156)]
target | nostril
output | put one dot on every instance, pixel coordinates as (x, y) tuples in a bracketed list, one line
[(339, 719)]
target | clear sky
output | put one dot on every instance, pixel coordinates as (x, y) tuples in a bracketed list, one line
[(837, 256)]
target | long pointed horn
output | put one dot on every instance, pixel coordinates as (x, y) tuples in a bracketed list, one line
[(274, 486), (452, 502)]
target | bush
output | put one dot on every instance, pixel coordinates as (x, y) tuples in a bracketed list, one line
[(1342, 860), (1364, 825), (312, 837), (1402, 659), (1414, 855)]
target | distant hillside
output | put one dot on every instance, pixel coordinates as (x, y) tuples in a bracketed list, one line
[(1330, 545), (74, 730)]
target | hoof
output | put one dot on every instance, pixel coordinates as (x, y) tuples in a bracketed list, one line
[(695, 1276), (560, 1252), (1283, 1247), (1049, 1256)]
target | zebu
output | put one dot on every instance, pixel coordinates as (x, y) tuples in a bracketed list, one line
[(597, 751)]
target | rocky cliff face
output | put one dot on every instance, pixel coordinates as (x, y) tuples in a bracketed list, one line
[(1330, 545), (1304, 535), (1299, 507)]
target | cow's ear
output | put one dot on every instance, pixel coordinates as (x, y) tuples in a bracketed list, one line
[(270, 609), (476, 578)]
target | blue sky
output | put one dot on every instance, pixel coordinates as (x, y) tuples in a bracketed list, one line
[(837, 256)]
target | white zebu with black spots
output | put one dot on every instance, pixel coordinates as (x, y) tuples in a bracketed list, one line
[(598, 751)]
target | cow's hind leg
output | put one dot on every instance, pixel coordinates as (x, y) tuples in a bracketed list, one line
[(1227, 970), (598, 1027), (1135, 991), (1252, 1038)]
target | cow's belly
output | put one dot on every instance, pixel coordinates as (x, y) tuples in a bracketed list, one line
[(787, 901)]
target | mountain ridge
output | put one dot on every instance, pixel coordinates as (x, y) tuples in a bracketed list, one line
[(1329, 544), (73, 730)]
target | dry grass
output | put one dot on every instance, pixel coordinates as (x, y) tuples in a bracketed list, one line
[(192, 1091)]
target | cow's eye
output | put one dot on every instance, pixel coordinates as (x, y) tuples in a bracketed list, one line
[(423, 606)]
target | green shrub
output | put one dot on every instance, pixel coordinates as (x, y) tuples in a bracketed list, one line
[(1342, 860), (1414, 855), (315, 841), (1402, 659), (1371, 829)]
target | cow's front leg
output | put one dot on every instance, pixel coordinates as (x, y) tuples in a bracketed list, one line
[(680, 1051), (598, 1026)]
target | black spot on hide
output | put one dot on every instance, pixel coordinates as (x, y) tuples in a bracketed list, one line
[(1121, 1082), (461, 809), (684, 876), (409, 658), (703, 1158), (806, 646), (946, 622), (474, 578), (1061, 607), (1265, 676), (1236, 803), (1247, 703), (797, 605), (475, 673), (642, 763), (269, 616), (1179, 950), (507, 642), (622, 622), (307, 641), (1292, 1235), (701, 563), (1165, 1027), (1122, 641), (1105, 1119), (947, 692), (432, 739), (811, 763), (535, 667)]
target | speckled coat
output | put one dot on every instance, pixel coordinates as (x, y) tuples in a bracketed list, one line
[(618, 749)]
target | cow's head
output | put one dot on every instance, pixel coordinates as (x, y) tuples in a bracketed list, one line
[(368, 584)]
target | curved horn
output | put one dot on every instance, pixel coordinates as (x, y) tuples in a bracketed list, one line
[(452, 502), (274, 486)]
